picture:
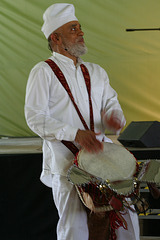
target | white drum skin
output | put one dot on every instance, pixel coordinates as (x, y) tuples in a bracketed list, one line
[(114, 163)]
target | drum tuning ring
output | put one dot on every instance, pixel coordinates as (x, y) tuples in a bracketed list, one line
[(108, 182), (135, 182), (101, 187)]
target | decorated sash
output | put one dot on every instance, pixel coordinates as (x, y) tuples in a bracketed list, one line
[(57, 71)]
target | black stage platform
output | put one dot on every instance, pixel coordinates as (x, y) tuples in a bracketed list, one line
[(27, 210)]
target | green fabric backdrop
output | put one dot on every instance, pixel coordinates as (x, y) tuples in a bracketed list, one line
[(131, 59)]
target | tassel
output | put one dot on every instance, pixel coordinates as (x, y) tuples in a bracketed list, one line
[(116, 221)]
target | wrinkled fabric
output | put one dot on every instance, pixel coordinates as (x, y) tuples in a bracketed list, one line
[(50, 113)]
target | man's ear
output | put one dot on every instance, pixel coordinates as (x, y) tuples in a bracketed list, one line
[(55, 38)]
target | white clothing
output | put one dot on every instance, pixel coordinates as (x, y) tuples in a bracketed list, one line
[(72, 224), (50, 113), (56, 16), (133, 232)]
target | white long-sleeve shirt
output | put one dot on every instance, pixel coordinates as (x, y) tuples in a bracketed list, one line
[(50, 113)]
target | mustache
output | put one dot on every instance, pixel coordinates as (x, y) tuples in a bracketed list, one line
[(80, 39)]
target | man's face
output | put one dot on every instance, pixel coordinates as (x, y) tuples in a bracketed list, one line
[(72, 38)]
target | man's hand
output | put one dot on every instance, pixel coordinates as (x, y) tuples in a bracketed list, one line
[(115, 121), (87, 140)]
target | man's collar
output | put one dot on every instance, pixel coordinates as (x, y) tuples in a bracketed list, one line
[(66, 59)]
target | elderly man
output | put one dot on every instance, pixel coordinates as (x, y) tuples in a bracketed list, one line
[(69, 104)]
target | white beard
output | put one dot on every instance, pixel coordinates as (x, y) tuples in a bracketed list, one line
[(76, 49)]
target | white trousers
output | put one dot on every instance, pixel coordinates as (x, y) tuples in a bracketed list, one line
[(72, 224), (133, 232)]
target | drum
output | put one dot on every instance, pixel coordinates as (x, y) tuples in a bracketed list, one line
[(103, 180), (106, 182), (115, 163)]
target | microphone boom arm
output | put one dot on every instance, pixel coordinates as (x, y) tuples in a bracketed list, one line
[(142, 29)]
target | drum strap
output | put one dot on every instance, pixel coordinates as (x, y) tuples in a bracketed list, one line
[(64, 83)]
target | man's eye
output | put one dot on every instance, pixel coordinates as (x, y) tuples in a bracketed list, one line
[(73, 29)]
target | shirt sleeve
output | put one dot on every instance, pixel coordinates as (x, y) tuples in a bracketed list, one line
[(37, 112), (110, 99)]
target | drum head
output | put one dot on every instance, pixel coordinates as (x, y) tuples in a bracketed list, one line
[(114, 163), (150, 172)]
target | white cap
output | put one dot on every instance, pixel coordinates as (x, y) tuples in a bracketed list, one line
[(56, 16)]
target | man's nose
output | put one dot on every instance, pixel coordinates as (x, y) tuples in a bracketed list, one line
[(80, 32)]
